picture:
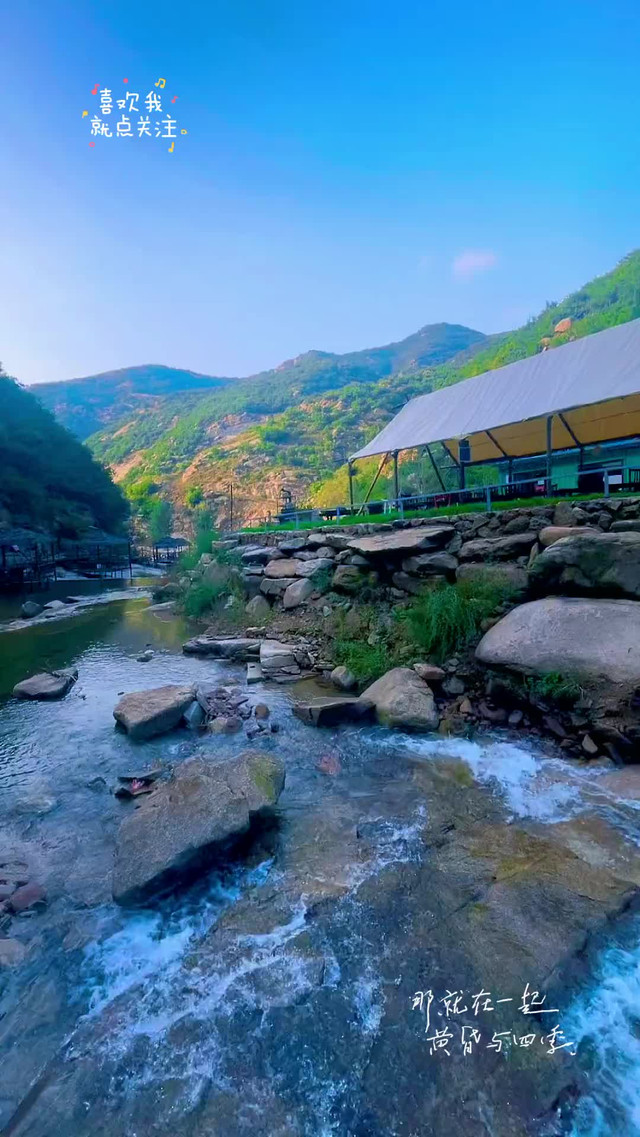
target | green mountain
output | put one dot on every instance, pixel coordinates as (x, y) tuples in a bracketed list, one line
[(294, 426), (49, 480), (86, 405)]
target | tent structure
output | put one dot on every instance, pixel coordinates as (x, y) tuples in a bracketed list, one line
[(582, 393)]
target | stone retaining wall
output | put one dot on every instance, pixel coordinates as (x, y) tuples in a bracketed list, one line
[(399, 558)]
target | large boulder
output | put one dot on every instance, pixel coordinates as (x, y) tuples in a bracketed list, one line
[(402, 699), (260, 554), (200, 812), (604, 564), (584, 638), (402, 541), (275, 656), (287, 566), (47, 685), (144, 714), (498, 548), (239, 649), (276, 587), (297, 593), (258, 609)]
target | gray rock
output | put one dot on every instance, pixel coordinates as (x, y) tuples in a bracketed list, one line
[(603, 564), (431, 674), (276, 587), (12, 952), (402, 699), (403, 541), (453, 686), (259, 554), (332, 712), (144, 714), (297, 593), (47, 685), (431, 564), (347, 578), (293, 544), (589, 639), (288, 566), (54, 606), (275, 656), (145, 656), (202, 810), (552, 533), (505, 574), (412, 584), (240, 649), (625, 526), (258, 608), (563, 514), (30, 609), (343, 679), (499, 548), (316, 565)]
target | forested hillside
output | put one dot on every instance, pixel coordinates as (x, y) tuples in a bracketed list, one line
[(49, 480), (294, 427)]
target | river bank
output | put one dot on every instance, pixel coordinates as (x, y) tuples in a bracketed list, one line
[(275, 994)]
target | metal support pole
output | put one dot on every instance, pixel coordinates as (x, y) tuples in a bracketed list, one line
[(435, 468), (606, 483), (396, 486), (461, 476), (487, 495), (130, 564), (351, 483), (549, 451)]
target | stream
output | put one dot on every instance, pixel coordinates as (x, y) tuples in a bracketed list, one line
[(277, 995)]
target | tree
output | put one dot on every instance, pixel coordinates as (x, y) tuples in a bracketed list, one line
[(160, 520)]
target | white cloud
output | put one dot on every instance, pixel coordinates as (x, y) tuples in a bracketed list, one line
[(472, 261)]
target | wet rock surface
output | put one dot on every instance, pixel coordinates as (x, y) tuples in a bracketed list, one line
[(199, 812), (402, 699), (47, 685), (144, 714)]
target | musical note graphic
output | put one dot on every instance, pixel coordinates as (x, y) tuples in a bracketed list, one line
[(92, 143), (94, 90), (174, 98), (171, 147), (85, 113), (161, 83), (183, 131), (125, 80)]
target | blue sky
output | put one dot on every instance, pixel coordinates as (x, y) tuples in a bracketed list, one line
[(352, 171)]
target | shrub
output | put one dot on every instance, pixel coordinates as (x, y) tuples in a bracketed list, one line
[(446, 619), (557, 688), (366, 661), (200, 599)]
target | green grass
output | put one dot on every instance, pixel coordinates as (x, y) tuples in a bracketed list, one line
[(200, 599), (442, 511), (445, 620), (559, 689)]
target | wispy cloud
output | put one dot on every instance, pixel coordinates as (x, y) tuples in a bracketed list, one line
[(472, 261)]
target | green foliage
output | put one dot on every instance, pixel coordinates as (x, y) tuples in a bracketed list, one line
[(445, 620), (200, 599), (160, 520), (47, 478), (553, 687), (194, 496), (366, 661)]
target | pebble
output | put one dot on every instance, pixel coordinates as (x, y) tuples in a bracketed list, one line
[(27, 897), (12, 952)]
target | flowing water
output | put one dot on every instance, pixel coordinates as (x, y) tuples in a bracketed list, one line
[(273, 996)]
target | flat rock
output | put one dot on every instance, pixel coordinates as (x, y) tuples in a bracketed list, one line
[(405, 541), (240, 649), (47, 685), (332, 712), (625, 527), (498, 548), (144, 714), (586, 638), (254, 673), (288, 566), (275, 655), (276, 587), (603, 564), (200, 812), (259, 554), (27, 896), (431, 674), (402, 699)]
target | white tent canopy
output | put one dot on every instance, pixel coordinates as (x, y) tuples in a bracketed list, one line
[(591, 386)]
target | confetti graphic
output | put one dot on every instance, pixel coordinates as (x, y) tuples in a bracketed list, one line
[(134, 115)]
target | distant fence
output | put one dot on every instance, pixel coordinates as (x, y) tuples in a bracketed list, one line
[(485, 497)]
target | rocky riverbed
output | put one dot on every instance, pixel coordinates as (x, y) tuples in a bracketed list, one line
[(276, 992)]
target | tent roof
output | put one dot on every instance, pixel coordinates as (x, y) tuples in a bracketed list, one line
[(171, 543), (594, 381)]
